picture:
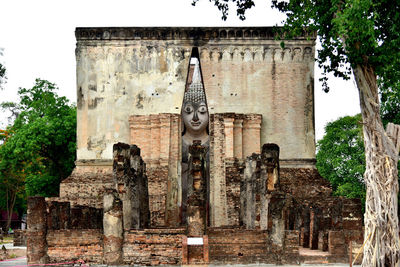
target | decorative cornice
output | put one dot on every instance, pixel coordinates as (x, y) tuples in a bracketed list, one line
[(94, 162), (298, 163), (182, 33)]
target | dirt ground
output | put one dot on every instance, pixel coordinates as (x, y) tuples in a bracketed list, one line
[(16, 252)]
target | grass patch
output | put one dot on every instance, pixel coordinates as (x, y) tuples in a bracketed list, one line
[(6, 240), (12, 256)]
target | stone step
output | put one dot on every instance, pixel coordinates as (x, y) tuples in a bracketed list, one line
[(311, 256)]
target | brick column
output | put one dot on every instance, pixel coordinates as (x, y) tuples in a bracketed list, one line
[(37, 230), (155, 139), (140, 133), (165, 137), (185, 250), (251, 134), (228, 129), (218, 200), (206, 250), (134, 131), (145, 134), (237, 138)]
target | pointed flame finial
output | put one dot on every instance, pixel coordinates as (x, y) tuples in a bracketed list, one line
[(196, 73)]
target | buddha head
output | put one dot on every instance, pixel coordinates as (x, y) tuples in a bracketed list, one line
[(194, 109), (195, 112)]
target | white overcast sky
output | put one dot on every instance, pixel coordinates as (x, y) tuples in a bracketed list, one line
[(39, 42)]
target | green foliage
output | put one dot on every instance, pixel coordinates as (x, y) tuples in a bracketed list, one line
[(223, 6), (39, 150), (390, 102), (352, 32), (341, 158)]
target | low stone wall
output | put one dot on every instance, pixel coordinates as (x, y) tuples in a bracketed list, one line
[(74, 244), (241, 246), (153, 246)]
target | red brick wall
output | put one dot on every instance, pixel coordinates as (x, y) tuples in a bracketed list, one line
[(233, 169), (153, 246), (241, 246), (74, 244), (232, 246)]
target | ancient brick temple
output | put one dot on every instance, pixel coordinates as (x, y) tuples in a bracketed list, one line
[(195, 145)]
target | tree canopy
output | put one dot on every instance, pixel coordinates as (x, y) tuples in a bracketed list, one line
[(341, 157), (38, 148)]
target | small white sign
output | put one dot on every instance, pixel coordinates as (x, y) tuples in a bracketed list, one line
[(195, 241)]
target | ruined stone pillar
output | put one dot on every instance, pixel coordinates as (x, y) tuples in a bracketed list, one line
[(37, 230), (131, 184), (276, 206), (138, 186), (196, 209), (112, 228), (248, 192), (174, 188)]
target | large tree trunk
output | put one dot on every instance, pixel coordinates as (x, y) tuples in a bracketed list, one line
[(381, 235)]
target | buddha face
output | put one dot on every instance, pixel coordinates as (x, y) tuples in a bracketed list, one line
[(195, 117)]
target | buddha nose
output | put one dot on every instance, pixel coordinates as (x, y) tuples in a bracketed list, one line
[(195, 117)]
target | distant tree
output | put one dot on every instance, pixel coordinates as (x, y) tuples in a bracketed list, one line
[(38, 151), (3, 76), (341, 157), (360, 37), (12, 182)]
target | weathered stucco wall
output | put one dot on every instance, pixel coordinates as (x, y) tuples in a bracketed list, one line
[(140, 71)]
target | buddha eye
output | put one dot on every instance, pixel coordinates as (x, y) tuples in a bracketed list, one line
[(188, 109), (202, 109)]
